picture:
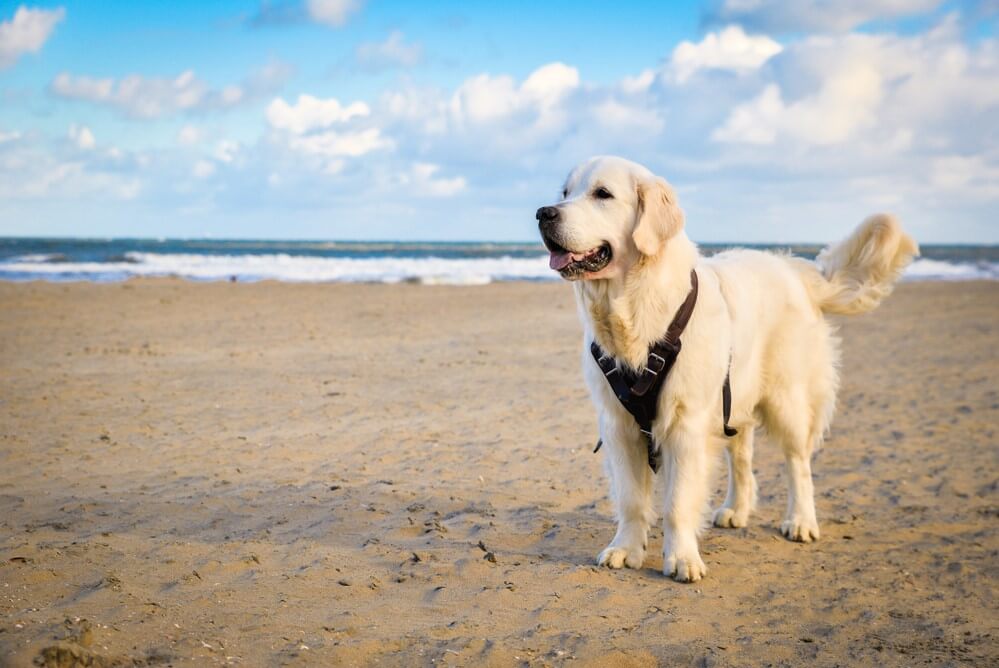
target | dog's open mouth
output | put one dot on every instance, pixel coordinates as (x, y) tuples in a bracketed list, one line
[(573, 265)]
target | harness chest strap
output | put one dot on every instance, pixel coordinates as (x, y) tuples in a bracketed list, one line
[(639, 393)]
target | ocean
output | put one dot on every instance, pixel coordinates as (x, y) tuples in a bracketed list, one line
[(465, 263)]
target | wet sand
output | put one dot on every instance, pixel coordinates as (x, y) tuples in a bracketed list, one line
[(276, 474)]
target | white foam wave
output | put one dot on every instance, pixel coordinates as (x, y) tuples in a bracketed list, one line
[(34, 258), (927, 269), (299, 268), (293, 268)]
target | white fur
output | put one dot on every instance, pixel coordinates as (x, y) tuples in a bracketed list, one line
[(760, 313)]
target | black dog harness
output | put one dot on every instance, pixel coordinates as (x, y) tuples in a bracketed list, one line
[(639, 392)]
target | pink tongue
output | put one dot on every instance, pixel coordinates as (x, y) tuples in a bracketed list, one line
[(559, 261)]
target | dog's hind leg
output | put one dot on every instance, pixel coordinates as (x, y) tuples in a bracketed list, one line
[(626, 462), (793, 422), (799, 522), (741, 496)]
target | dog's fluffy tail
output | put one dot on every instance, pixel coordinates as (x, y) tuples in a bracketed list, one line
[(856, 274)]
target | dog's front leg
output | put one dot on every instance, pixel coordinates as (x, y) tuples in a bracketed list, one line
[(686, 461), (626, 463)]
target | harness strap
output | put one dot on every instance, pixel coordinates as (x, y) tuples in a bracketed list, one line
[(665, 351), (615, 378), (640, 396), (682, 317), (639, 405), (727, 408)]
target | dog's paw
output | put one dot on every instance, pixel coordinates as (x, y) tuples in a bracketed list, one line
[(619, 557), (800, 530), (684, 568), (729, 518)]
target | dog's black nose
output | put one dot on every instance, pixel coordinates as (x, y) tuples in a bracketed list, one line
[(547, 214)]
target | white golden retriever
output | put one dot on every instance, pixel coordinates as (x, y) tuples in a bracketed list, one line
[(618, 233)]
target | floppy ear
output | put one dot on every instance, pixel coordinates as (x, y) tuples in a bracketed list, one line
[(658, 218)]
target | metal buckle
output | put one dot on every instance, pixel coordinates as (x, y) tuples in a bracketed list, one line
[(660, 360)]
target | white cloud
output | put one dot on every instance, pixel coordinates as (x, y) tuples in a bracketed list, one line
[(334, 167), (267, 79), (311, 113), (485, 99), (26, 32), (393, 52), (485, 115), (324, 131), (815, 15), (617, 115), (231, 95), (550, 83), (82, 137), (639, 83), (427, 109), (483, 102), (845, 104), (754, 122), (9, 136), (156, 97), (968, 176), (730, 49), (332, 12), (82, 87), (32, 169), (189, 135), (856, 86), (332, 143), (226, 151), (423, 180), (203, 169), (136, 95)]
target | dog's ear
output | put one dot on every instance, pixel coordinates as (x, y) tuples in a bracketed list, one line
[(658, 217)]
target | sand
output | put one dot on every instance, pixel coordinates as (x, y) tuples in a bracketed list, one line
[(276, 474)]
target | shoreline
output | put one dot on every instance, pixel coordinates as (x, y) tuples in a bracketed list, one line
[(373, 262), (915, 280)]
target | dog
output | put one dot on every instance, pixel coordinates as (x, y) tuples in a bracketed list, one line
[(617, 232)]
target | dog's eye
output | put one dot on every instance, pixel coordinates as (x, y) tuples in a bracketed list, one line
[(602, 193)]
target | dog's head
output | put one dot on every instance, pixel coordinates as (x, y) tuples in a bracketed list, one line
[(611, 214)]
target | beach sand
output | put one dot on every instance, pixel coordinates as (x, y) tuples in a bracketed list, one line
[(279, 474)]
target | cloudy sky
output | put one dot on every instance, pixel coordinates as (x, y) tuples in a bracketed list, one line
[(352, 119)]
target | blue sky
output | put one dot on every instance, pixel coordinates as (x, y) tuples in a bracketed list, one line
[(345, 119)]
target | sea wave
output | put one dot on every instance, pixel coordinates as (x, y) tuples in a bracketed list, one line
[(284, 267), (34, 258), (928, 269), (308, 268)]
